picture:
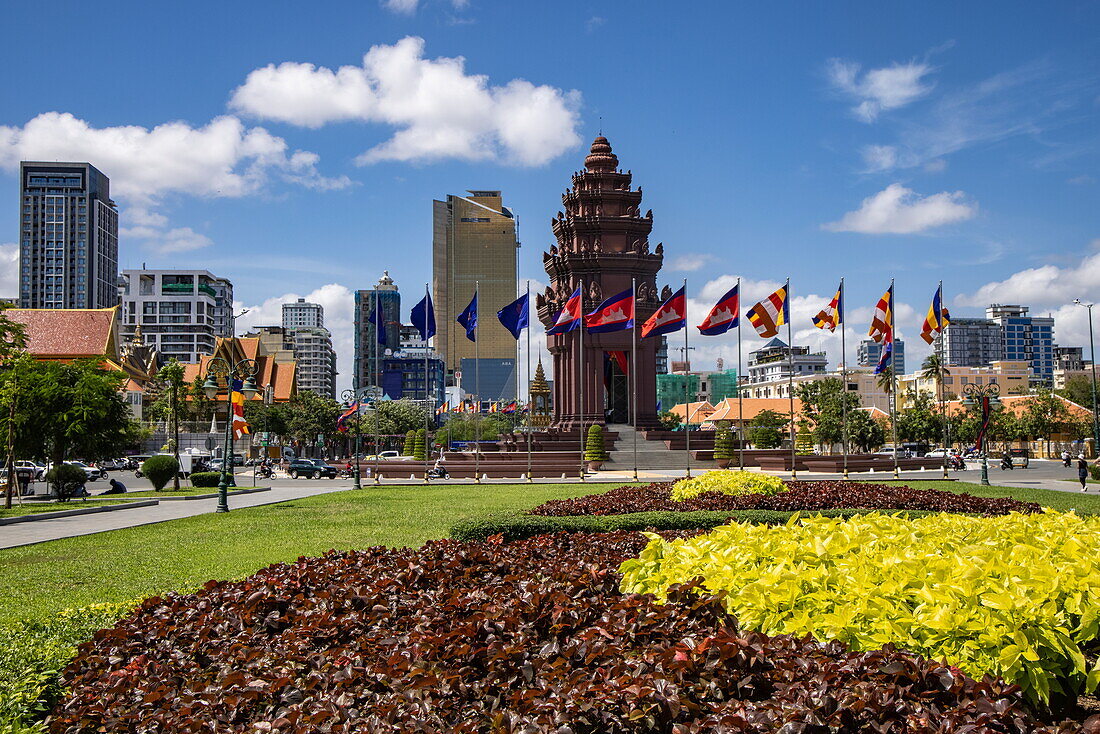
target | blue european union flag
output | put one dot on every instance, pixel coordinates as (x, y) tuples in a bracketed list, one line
[(514, 317)]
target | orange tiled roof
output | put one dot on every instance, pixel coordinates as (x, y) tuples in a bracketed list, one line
[(1017, 404), (280, 375), (727, 410), (700, 411), (67, 333)]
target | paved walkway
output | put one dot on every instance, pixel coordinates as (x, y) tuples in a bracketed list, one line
[(1041, 474)]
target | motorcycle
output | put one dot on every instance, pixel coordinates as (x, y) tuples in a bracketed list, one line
[(1006, 463), (438, 472), (957, 463), (264, 472)]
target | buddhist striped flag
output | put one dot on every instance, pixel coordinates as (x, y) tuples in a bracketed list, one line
[(771, 313), (832, 315), (882, 321)]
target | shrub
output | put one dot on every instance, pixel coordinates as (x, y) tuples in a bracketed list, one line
[(1094, 470), (67, 480), (1012, 596), (420, 445), (33, 653), (160, 469), (517, 637), (206, 479), (727, 482), (594, 449), (410, 444), (813, 496), (723, 444)]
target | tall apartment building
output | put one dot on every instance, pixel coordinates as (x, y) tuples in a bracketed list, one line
[(869, 352), (774, 361), (368, 351), (474, 242), (972, 342), (1070, 359), (68, 252), (303, 315), (1026, 338), (180, 312)]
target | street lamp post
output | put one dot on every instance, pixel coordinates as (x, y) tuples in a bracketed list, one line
[(1092, 358), (352, 399), (984, 396), (219, 371)]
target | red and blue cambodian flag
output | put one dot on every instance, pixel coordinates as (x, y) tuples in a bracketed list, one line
[(724, 315), (614, 314), (570, 317), (670, 317)]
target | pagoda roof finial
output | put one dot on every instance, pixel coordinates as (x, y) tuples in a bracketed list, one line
[(600, 158)]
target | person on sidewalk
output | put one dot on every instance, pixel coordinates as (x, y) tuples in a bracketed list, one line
[(1083, 471)]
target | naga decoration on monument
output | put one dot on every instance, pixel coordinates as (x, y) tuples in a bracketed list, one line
[(602, 245)]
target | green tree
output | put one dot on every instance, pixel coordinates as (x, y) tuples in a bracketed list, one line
[(409, 447), (463, 427), (396, 417), (594, 448), (921, 420), (933, 368), (1044, 415), (420, 445), (723, 445), (170, 404), (271, 418), (309, 415), (885, 380), (864, 432), (13, 343), (669, 420), (823, 406), (1078, 390), (766, 429)]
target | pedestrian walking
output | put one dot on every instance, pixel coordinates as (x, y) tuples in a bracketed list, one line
[(1082, 471)]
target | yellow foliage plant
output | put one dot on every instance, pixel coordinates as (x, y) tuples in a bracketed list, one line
[(1016, 596), (727, 482)]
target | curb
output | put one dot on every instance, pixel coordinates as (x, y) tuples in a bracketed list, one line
[(74, 513)]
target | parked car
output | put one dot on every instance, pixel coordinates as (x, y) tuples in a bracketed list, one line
[(113, 465), (91, 472), (383, 456), (940, 453), (310, 469), (38, 469)]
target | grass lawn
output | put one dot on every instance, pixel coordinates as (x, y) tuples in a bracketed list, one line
[(39, 580), (1062, 501), (183, 492), (33, 508)]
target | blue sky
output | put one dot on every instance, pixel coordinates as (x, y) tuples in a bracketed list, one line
[(922, 142)]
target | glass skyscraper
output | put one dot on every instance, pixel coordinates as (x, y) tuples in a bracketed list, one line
[(1026, 338), (68, 251)]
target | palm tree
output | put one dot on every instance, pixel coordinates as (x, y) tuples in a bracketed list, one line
[(886, 380), (935, 370)]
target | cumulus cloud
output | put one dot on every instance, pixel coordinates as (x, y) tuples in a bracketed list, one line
[(898, 210), (9, 270), (880, 157), (223, 158), (878, 90), (339, 303), (165, 241), (690, 262), (409, 7), (439, 110)]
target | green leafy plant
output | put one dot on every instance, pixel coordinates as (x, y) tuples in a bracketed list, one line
[(205, 479), (594, 448), (410, 443), (160, 469), (727, 482), (67, 480), (420, 445), (766, 429), (1094, 471), (723, 445), (1012, 596)]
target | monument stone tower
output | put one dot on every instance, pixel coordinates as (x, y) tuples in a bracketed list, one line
[(602, 243)]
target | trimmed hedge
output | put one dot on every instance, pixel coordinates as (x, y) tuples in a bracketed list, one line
[(205, 479), (160, 469), (515, 526)]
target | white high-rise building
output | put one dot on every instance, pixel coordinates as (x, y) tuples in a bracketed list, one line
[(180, 312), (305, 333), (303, 315)]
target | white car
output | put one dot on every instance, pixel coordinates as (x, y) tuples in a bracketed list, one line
[(940, 453), (91, 472)]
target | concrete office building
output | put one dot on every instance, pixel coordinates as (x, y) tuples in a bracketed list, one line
[(180, 312), (869, 351), (474, 242), (1027, 338), (366, 370), (1070, 359), (773, 361), (68, 244), (303, 315), (972, 342)]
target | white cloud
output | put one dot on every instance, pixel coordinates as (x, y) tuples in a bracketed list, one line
[(405, 7), (339, 304), (439, 110), (880, 157), (898, 210), (690, 262), (9, 270), (878, 90), (165, 241), (223, 158), (1083, 180)]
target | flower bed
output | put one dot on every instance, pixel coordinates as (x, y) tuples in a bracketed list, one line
[(806, 495), (1015, 596), (478, 637)]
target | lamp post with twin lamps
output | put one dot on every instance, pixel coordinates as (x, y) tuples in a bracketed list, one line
[(222, 372), (351, 399), (1092, 359), (985, 397)]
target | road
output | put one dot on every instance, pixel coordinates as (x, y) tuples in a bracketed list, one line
[(1041, 474)]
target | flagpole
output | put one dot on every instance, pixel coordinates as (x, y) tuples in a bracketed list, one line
[(939, 375), (377, 383), (894, 379), (740, 400), (843, 382), (580, 381), (529, 477), (477, 389), (634, 370), (427, 391), (687, 383), (790, 370)]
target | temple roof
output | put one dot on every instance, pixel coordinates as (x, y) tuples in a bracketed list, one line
[(600, 158), (69, 333)]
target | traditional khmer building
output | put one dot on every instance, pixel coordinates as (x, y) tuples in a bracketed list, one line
[(602, 243)]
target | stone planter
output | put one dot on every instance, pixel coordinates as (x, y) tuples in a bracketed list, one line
[(724, 463), (595, 465)]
